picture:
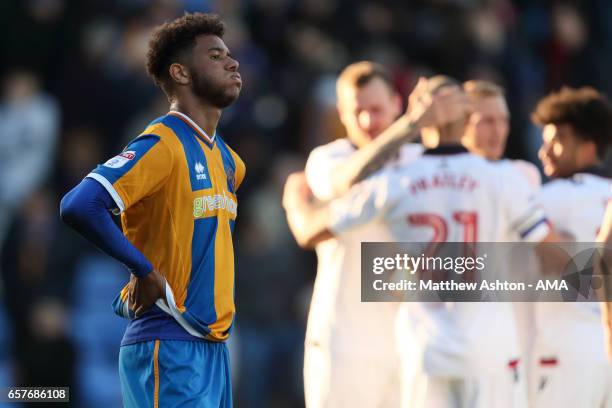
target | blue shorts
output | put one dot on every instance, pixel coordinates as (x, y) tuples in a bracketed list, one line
[(175, 373)]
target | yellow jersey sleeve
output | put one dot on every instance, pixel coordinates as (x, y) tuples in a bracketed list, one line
[(137, 172)]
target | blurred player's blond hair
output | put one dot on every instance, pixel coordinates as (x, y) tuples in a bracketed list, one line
[(477, 89), (359, 74)]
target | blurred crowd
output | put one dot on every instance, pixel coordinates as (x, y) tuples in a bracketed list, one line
[(74, 92)]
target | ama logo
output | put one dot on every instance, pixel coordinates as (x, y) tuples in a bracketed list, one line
[(199, 169)]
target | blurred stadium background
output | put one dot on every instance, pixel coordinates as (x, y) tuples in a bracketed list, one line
[(74, 92)]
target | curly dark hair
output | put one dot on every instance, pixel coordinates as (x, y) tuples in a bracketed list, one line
[(171, 42), (586, 110)]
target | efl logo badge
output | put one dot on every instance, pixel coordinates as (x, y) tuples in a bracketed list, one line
[(121, 159)]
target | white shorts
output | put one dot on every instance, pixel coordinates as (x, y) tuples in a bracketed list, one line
[(505, 389), (556, 383), (569, 364), (351, 379)]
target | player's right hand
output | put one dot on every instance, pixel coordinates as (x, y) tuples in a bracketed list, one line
[(144, 292)]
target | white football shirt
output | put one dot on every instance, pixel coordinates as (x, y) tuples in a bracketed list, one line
[(450, 195)]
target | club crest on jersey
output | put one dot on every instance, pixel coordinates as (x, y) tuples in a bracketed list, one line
[(121, 159), (199, 169), (231, 178)]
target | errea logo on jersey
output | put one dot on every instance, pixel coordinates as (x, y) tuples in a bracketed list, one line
[(120, 160), (199, 169)]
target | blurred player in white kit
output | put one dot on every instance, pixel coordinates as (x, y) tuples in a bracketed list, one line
[(350, 356), (448, 194), (485, 134), (345, 356), (570, 369)]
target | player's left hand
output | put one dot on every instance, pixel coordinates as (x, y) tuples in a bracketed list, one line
[(144, 292), (296, 191)]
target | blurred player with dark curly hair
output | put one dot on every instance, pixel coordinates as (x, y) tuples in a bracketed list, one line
[(569, 361), (175, 187)]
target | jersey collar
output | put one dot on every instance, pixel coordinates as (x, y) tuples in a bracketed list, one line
[(446, 149), (199, 131), (597, 170)]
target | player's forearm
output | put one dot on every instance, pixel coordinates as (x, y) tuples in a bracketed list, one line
[(605, 270), (605, 291), (371, 157), (605, 263), (607, 326), (86, 209), (309, 224)]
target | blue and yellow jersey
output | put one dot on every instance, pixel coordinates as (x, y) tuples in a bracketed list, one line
[(176, 190)]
